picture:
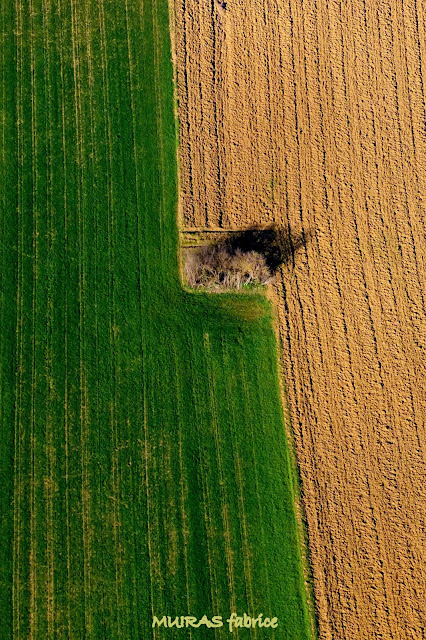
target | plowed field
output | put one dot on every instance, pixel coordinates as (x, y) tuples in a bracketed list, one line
[(311, 113)]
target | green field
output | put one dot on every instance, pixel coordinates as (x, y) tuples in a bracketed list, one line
[(144, 466)]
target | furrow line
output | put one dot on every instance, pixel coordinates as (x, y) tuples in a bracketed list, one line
[(110, 197), (66, 375), (93, 157), (49, 489), (159, 117), (240, 484), (249, 403), (19, 435), (83, 412), (145, 462), (206, 497), (33, 560), (223, 497), (183, 482)]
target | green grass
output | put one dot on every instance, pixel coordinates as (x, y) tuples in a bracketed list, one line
[(144, 465)]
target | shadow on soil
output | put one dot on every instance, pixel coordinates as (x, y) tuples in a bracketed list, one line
[(276, 243)]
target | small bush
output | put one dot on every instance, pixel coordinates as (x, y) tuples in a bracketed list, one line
[(220, 267)]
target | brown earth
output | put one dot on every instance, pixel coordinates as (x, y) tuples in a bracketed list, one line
[(311, 113)]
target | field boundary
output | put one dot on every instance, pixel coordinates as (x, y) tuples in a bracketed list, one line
[(186, 236), (296, 479)]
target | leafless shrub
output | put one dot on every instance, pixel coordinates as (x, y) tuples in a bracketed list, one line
[(221, 267)]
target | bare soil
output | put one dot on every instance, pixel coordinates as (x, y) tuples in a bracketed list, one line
[(311, 114)]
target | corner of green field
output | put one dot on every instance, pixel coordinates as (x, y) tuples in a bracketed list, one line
[(239, 306)]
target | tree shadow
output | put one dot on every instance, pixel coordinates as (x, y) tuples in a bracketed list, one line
[(276, 243)]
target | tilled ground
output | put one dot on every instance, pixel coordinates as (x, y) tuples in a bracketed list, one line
[(311, 113)]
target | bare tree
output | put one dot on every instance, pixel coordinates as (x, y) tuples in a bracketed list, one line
[(219, 267)]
